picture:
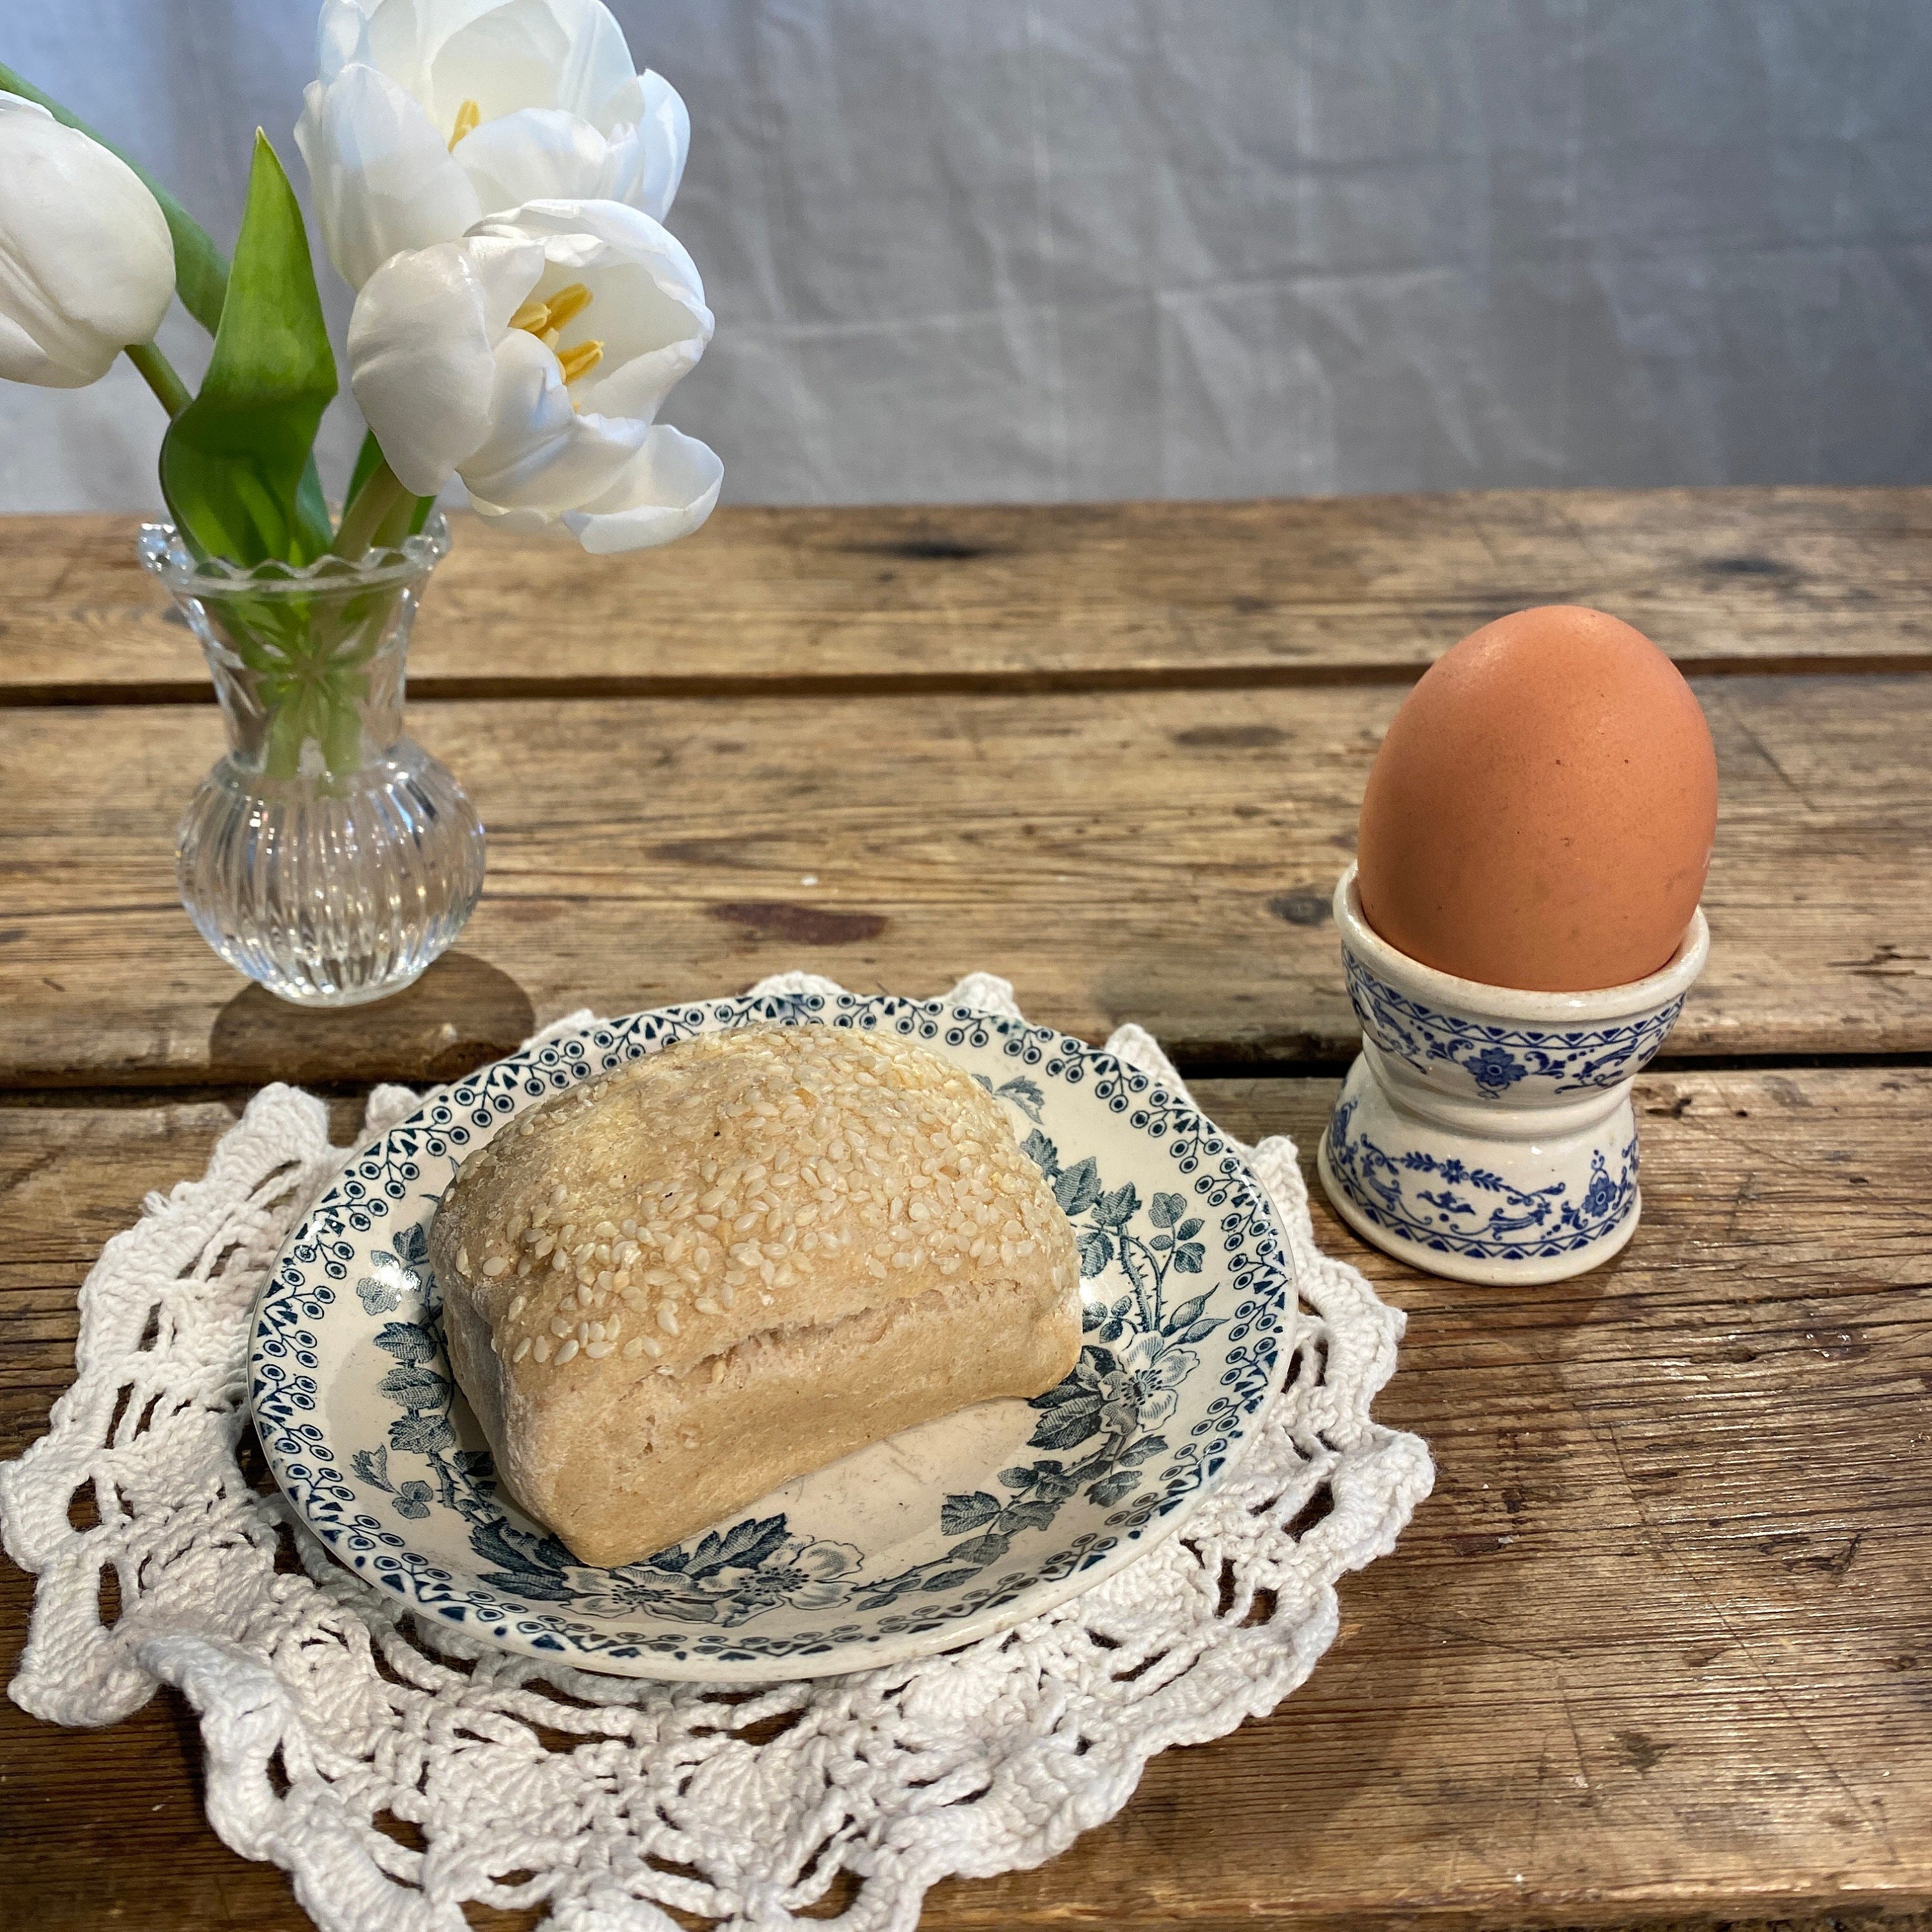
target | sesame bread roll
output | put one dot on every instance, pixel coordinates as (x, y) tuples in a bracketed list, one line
[(685, 1283)]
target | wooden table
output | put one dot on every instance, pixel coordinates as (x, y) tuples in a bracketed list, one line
[(1659, 1646)]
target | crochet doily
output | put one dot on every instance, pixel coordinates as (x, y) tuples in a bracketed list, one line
[(396, 1770)]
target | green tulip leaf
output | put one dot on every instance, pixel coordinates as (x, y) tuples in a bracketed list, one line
[(235, 465)]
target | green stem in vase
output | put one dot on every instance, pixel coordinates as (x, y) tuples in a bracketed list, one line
[(382, 493), (281, 756), (342, 722)]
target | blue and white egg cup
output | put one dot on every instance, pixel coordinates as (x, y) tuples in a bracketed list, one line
[(1487, 1134)]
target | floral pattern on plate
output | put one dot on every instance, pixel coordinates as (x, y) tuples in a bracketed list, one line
[(1188, 1316)]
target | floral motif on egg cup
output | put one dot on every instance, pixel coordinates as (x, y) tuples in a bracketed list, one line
[(1486, 1133)]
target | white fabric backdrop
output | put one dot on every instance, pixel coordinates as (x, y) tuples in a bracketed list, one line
[(1102, 248)]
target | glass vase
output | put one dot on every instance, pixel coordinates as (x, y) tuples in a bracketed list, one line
[(327, 856)]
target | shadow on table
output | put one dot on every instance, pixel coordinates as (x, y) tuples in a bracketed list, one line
[(461, 1013)]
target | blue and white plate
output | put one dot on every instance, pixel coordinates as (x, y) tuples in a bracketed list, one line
[(946, 1533)]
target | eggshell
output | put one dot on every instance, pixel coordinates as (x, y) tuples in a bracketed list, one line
[(1541, 814)]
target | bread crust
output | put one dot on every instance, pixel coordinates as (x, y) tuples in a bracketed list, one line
[(684, 1283)]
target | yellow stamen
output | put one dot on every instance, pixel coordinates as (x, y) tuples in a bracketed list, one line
[(546, 320), (568, 304), (468, 119), (581, 360)]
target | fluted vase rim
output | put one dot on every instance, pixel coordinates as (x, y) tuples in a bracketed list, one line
[(163, 552)]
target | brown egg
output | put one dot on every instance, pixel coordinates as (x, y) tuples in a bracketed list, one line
[(1541, 813)]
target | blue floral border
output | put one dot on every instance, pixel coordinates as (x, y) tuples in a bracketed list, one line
[(1507, 1223), (1211, 1177), (1496, 1056)]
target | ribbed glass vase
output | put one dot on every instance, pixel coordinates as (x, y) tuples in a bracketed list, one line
[(327, 856)]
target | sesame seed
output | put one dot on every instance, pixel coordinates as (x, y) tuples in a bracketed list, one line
[(522, 1349), (463, 1261), (633, 1347), (542, 1350), (597, 1351), (568, 1352), (494, 1266)]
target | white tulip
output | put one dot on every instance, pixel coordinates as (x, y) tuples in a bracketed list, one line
[(87, 266), (429, 115), (531, 358)]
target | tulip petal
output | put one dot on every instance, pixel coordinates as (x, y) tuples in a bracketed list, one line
[(649, 308), (663, 126), (86, 263), (383, 177), (422, 350), (536, 151), (342, 34), (669, 488), (541, 454), (598, 66), (647, 143), (514, 56), (23, 360)]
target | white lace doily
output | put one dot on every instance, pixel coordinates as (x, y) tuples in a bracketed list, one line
[(328, 1715)]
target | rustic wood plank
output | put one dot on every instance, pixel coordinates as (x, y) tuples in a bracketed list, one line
[(1657, 1648), (1165, 856), (997, 595)]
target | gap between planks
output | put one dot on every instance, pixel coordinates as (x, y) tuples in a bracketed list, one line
[(51, 1091), (1070, 683)]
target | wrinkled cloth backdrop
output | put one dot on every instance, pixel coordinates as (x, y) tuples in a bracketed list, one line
[(1093, 248)]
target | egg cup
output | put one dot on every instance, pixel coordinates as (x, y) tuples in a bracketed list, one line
[(1486, 1133)]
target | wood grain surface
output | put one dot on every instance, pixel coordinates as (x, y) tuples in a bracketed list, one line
[(1658, 1648), (1079, 594), (1659, 1642), (1165, 856)]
